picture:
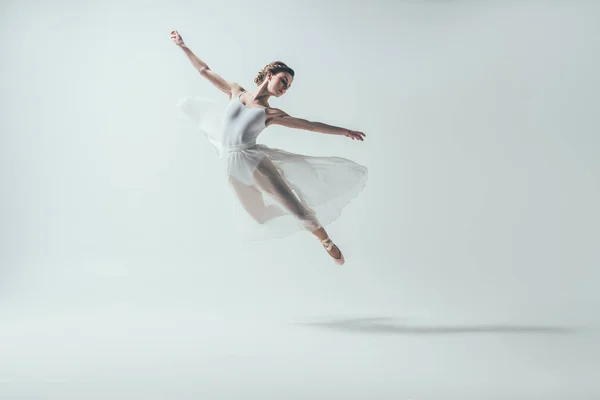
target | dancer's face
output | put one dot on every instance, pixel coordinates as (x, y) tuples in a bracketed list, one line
[(280, 83)]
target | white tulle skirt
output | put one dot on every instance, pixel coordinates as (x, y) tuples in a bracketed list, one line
[(279, 192)]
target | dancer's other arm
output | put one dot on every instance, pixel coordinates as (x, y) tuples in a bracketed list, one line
[(220, 83), (281, 118)]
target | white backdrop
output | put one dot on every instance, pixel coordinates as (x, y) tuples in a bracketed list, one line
[(480, 215)]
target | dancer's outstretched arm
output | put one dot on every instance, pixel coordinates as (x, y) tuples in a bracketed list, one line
[(223, 85), (279, 117)]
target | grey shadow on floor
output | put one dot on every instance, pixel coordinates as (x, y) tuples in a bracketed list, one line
[(394, 326)]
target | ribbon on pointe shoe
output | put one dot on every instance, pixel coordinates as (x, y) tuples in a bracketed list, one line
[(328, 244)]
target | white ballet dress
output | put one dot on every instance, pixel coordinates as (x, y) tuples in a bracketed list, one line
[(279, 192)]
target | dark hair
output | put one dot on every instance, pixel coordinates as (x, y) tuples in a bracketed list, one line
[(275, 67)]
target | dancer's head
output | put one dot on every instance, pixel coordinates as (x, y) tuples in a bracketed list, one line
[(278, 76)]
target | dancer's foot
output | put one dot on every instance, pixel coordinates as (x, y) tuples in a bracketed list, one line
[(333, 251)]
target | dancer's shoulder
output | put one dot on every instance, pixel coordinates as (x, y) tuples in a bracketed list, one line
[(236, 89), (275, 112)]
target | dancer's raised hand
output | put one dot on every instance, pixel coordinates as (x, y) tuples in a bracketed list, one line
[(177, 39)]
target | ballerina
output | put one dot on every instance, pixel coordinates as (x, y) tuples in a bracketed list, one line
[(282, 192)]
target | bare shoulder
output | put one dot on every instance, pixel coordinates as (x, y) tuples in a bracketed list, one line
[(274, 115), (275, 112), (236, 89)]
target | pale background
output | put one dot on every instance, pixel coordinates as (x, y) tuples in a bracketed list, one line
[(472, 255)]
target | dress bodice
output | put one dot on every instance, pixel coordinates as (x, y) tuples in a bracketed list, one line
[(241, 124)]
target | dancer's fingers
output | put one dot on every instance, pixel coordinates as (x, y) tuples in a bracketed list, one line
[(356, 135)]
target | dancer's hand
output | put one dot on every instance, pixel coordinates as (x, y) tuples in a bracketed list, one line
[(176, 38), (355, 135)]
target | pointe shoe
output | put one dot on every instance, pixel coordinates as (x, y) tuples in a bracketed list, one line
[(328, 244)]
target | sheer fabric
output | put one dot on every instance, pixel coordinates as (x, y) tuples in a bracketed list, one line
[(279, 192)]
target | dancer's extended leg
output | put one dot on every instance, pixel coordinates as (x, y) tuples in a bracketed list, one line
[(253, 202), (270, 180)]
